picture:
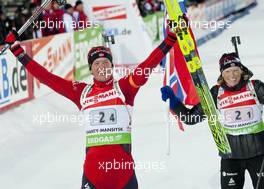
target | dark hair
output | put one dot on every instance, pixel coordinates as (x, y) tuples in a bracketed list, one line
[(67, 6), (78, 3)]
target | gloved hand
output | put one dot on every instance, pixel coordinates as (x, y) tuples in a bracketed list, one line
[(183, 23), (11, 38), (167, 93)]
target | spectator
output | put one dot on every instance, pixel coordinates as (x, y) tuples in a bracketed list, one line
[(17, 19), (153, 5), (161, 6), (48, 18), (3, 31), (36, 2), (21, 17), (79, 15), (148, 7), (68, 19), (9, 23), (58, 14), (36, 32)]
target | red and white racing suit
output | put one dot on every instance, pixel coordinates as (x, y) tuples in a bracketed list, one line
[(108, 131)]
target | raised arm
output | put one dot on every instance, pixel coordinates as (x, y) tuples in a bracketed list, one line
[(69, 89), (130, 84), (140, 76)]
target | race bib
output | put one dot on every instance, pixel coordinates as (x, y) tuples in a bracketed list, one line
[(245, 114), (103, 117), (108, 125), (243, 120)]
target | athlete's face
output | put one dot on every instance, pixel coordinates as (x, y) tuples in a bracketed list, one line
[(55, 5), (80, 7), (232, 76), (102, 69)]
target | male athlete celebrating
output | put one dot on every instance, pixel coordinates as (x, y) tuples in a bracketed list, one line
[(108, 104)]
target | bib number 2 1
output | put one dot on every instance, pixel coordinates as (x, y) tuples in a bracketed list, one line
[(244, 114)]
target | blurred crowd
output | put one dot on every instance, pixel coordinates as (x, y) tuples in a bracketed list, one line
[(54, 19), (57, 19), (147, 7)]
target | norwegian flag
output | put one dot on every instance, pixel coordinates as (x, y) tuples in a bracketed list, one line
[(174, 81), (179, 77)]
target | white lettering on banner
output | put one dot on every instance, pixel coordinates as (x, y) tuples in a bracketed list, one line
[(129, 27), (56, 56), (245, 96), (111, 94), (110, 12)]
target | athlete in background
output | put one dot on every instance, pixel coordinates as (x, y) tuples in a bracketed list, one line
[(240, 102)]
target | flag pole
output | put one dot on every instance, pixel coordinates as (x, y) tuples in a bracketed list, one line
[(168, 106)]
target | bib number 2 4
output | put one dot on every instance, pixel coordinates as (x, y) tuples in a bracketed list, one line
[(103, 117)]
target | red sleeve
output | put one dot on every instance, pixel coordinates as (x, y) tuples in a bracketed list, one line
[(131, 84), (69, 89), (128, 90)]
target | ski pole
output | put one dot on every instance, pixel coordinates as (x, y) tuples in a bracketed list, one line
[(35, 15), (260, 172), (236, 41)]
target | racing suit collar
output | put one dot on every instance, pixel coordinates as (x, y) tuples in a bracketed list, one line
[(101, 84)]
